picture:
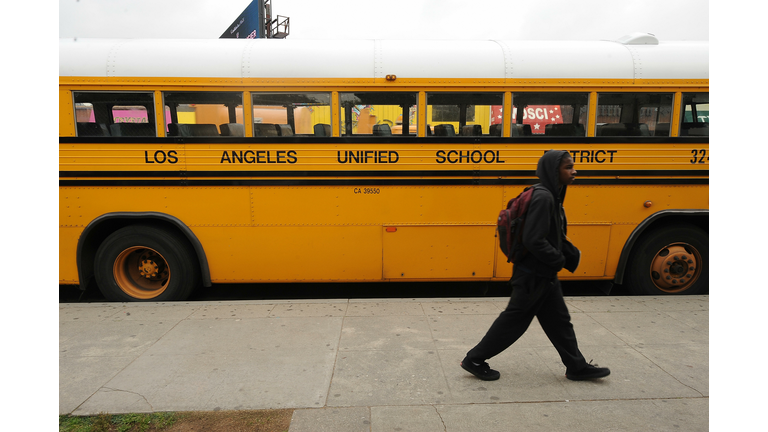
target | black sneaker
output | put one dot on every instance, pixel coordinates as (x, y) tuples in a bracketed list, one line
[(589, 372), (482, 370)]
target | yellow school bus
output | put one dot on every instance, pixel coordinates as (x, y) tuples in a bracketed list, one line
[(192, 162)]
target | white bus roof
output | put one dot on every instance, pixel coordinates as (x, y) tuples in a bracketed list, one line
[(636, 56)]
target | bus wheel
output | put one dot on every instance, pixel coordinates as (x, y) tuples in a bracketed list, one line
[(670, 260), (145, 263)]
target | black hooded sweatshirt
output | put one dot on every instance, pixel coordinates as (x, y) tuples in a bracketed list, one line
[(544, 234)]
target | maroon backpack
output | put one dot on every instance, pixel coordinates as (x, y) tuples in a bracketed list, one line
[(510, 225)]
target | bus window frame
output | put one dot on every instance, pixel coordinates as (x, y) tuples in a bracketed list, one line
[(290, 119), (345, 128), (231, 110), (462, 121), (150, 108), (586, 107)]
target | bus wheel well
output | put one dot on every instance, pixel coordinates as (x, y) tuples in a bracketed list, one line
[(100, 228), (658, 222)]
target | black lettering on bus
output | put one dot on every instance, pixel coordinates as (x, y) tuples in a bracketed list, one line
[(367, 156), (597, 153), (172, 157), (591, 155), (479, 153), (157, 159), (581, 156), (225, 157), (280, 156), (146, 158), (440, 156), (249, 158), (453, 161), (292, 159), (260, 156), (237, 156)]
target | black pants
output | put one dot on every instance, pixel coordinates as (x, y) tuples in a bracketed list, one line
[(532, 296)]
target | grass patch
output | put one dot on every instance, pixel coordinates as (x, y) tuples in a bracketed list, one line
[(208, 421)]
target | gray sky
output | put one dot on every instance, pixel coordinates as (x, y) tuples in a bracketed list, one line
[(395, 19)]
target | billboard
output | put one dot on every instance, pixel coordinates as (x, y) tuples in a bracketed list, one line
[(249, 25)]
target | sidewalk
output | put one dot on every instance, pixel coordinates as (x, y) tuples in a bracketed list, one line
[(388, 365)]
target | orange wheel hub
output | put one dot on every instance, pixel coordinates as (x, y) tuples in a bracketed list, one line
[(676, 267), (141, 272)]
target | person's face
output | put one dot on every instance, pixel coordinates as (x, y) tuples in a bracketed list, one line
[(567, 172)]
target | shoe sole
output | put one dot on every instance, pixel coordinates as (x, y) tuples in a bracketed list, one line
[(482, 377), (588, 377)]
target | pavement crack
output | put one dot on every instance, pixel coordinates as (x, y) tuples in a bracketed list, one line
[(445, 428), (137, 394)]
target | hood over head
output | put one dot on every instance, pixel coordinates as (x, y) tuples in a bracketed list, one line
[(548, 172)]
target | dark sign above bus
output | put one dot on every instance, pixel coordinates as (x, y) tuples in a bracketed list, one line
[(248, 25)]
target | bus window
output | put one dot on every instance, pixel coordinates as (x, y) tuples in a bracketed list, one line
[(549, 114), (204, 114), (695, 113), (633, 114), (114, 114), (378, 113), (289, 114), (464, 114)]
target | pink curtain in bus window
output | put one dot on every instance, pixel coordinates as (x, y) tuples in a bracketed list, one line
[(130, 116)]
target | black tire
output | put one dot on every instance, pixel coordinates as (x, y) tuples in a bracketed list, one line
[(671, 260), (145, 263)]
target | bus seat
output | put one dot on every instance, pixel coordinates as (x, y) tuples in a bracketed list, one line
[(264, 130), (662, 129), (92, 129), (472, 130), (524, 130), (623, 129), (192, 130), (429, 131), (284, 130), (495, 130), (322, 130), (694, 129), (566, 129), (132, 129), (382, 130), (232, 129), (444, 130)]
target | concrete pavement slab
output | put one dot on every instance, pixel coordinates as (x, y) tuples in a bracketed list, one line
[(245, 336), (386, 333), (110, 338), (232, 311), (380, 364), (379, 308), (357, 419), (648, 328), (524, 378), (608, 304), (397, 377), (460, 307), (260, 380), (406, 418), (578, 416), (81, 377), (309, 309), (687, 363)]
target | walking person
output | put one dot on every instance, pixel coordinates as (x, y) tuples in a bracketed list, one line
[(536, 289)]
